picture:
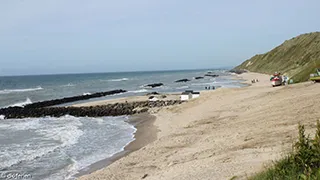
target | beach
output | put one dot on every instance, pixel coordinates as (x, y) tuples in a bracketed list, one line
[(63, 142), (226, 133)]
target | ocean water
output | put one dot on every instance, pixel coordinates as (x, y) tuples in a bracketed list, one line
[(57, 148)]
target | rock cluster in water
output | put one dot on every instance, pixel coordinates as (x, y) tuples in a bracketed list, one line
[(154, 85), (116, 109), (182, 80), (211, 75)]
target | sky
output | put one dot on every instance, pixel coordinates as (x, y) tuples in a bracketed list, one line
[(81, 36)]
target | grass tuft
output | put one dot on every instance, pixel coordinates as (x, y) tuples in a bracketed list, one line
[(303, 163)]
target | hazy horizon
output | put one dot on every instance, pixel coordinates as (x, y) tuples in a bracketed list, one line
[(68, 37), (115, 72)]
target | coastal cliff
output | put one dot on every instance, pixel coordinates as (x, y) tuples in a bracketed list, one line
[(297, 58)]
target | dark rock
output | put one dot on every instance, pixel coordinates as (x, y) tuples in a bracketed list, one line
[(152, 93), (72, 99), (182, 80), (144, 176), (116, 109), (199, 77), (211, 75), (238, 71), (154, 85)]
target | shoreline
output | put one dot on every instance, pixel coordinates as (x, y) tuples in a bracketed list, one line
[(146, 132), (142, 122), (226, 133)]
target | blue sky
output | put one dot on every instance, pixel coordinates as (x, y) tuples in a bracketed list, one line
[(59, 36)]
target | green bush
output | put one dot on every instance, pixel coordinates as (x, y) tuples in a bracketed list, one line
[(302, 163)]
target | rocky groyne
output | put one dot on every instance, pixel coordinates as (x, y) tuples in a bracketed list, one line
[(116, 109), (72, 99)]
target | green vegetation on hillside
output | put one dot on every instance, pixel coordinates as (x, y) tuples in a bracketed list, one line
[(302, 163), (297, 58)]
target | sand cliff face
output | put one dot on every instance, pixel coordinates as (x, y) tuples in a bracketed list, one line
[(297, 58)]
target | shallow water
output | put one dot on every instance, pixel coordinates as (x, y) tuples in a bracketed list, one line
[(57, 148)]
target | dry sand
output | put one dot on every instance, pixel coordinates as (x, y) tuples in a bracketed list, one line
[(222, 134)]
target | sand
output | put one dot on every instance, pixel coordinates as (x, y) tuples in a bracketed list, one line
[(223, 134)]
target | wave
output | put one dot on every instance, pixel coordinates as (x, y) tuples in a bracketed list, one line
[(118, 80), (8, 91), (64, 134), (2, 117), (86, 94), (183, 87), (139, 91), (68, 85), (21, 104)]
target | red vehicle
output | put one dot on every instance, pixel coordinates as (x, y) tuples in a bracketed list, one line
[(276, 80)]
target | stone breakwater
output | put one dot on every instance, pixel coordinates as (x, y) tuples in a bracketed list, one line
[(72, 99), (116, 109)]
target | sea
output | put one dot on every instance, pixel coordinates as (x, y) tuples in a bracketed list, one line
[(58, 148)]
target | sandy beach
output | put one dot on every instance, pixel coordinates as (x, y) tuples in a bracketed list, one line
[(224, 134)]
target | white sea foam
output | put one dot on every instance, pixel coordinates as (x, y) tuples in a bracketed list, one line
[(10, 157), (2, 117), (8, 91), (68, 85), (139, 91), (64, 130), (111, 151), (24, 124), (21, 104), (86, 94), (118, 80), (182, 87)]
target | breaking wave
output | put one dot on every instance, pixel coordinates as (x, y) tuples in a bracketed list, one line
[(117, 80), (8, 91), (183, 87), (21, 104), (139, 91)]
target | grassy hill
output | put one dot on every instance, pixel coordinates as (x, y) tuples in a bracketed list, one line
[(297, 58)]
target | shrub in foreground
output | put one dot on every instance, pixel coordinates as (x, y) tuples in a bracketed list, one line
[(302, 163)]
